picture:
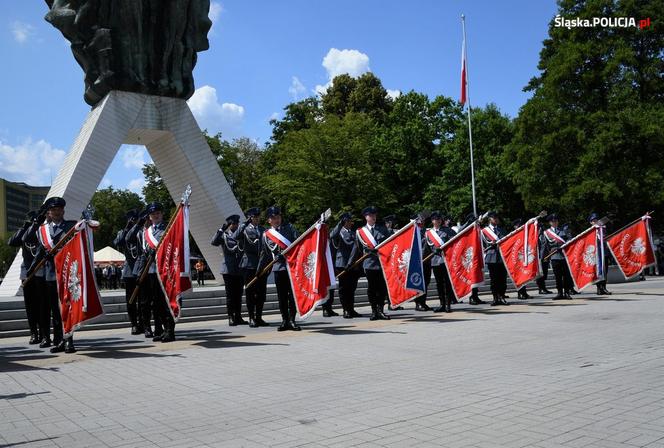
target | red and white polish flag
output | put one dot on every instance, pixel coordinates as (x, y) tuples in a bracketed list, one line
[(519, 251), (310, 269), (633, 248), (582, 256), (464, 261), (79, 296), (172, 261)]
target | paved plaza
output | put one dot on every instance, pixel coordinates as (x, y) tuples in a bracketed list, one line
[(587, 372)]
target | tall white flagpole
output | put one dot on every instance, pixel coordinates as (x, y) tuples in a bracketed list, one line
[(464, 63)]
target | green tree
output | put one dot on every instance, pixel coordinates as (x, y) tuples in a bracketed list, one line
[(590, 137), (155, 189), (110, 208)]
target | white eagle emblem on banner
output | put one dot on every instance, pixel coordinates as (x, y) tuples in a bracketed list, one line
[(404, 260), (638, 247), (74, 283), (310, 266), (529, 259), (589, 256), (467, 259)]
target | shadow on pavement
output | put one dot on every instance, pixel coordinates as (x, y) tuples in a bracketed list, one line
[(347, 330), (22, 395), (11, 357), (26, 442), (209, 338)]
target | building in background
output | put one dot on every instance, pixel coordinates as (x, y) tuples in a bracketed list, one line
[(17, 199)]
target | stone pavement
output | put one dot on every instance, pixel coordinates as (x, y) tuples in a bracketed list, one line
[(587, 372)]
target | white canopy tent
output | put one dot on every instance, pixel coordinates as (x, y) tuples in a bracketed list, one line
[(109, 255)]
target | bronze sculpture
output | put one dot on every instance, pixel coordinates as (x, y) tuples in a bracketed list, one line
[(143, 46)]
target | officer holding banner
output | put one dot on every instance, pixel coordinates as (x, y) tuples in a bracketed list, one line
[(342, 239), (368, 237)]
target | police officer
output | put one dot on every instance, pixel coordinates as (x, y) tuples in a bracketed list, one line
[(135, 237), (48, 233), (490, 236), (131, 252), (153, 230), (32, 290), (435, 237), (368, 237), (275, 239), (555, 237), (601, 285), (421, 301), (327, 305), (543, 224), (342, 238), (250, 242), (227, 238), (522, 293), (391, 225)]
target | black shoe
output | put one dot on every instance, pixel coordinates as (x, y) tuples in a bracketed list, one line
[(134, 330), (285, 325), (148, 334), (374, 316), (354, 313), (46, 342), (169, 336), (59, 348), (606, 291), (573, 292), (253, 323), (69, 346), (439, 309), (240, 321), (419, 307), (231, 322), (545, 291), (559, 297), (568, 295), (382, 316), (261, 322), (347, 315), (495, 303), (455, 301), (294, 326), (504, 302), (504, 296), (327, 312), (158, 337), (34, 339), (397, 308)]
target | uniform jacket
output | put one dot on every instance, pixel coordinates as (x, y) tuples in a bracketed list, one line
[(228, 241), (552, 244), (130, 250), (491, 253), (250, 241), (445, 234), (136, 236), (28, 251), (272, 251), (380, 234), (343, 242), (57, 231)]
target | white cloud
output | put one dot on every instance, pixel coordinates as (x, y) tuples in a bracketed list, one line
[(215, 116), (133, 156), (22, 31), (394, 94), (296, 88), (136, 185), (214, 14), (338, 62), (34, 163)]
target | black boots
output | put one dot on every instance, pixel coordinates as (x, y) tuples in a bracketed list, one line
[(259, 316), (545, 291), (422, 307), (560, 295), (34, 339), (289, 325), (328, 312), (69, 346), (378, 314), (523, 295)]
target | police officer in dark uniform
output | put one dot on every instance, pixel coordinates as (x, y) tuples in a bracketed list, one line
[(135, 237), (522, 293), (421, 301), (327, 305), (153, 227), (374, 234), (131, 252), (33, 289), (436, 236), (593, 219), (227, 238), (250, 242), (555, 237), (48, 234), (272, 251), (493, 260), (342, 238), (391, 225), (543, 224)]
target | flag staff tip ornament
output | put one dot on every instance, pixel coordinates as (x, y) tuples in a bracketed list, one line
[(465, 98)]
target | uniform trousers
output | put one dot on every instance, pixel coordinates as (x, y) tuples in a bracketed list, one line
[(234, 285), (285, 295), (377, 288), (255, 294)]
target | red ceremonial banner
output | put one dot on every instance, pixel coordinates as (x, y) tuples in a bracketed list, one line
[(401, 259), (172, 261), (581, 255), (310, 269), (77, 288), (464, 261), (519, 250), (633, 248)]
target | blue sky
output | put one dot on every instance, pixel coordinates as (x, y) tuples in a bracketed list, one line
[(263, 55)]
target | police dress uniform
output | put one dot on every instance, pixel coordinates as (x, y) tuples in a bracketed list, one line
[(230, 269), (131, 252), (54, 230), (493, 260), (443, 283), (346, 253), (543, 252), (555, 238), (32, 290), (250, 242), (601, 285), (272, 251), (377, 288)]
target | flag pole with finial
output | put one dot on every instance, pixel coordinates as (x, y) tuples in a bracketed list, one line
[(465, 98)]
